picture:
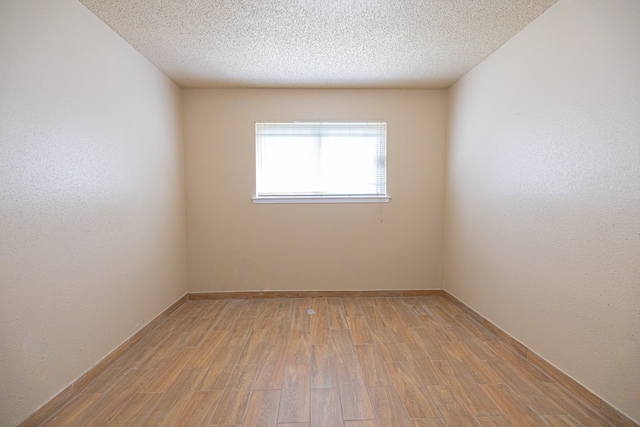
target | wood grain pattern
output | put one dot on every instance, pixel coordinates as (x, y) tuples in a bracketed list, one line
[(389, 408), (337, 317), (356, 404), (235, 398), (454, 412), (263, 408), (513, 406), (415, 397), (296, 395), (359, 330), (326, 410), (320, 332), (467, 390), (199, 409), (373, 366), (323, 368), (137, 409), (343, 349), (371, 360), (272, 371)]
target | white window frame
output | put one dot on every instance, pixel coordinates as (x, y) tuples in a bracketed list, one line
[(327, 198)]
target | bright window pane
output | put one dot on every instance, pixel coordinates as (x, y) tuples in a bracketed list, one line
[(320, 159)]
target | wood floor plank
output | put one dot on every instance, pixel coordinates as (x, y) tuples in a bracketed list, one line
[(221, 368), (284, 308), (429, 422), (136, 410), (429, 343), (496, 421), (351, 307), (421, 364), (467, 390), (156, 356), (326, 410), (343, 349), (301, 319), (388, 346), (373, 366), (512, 406), (561, 421), (323, 369), (102, 413), (337, 317), (320, 332), (359, 330), (277, 330), (475, 328), (414, 396), (361, 423), (438, 331), (296, 395), (299, 348), (390, 411), (335, 302), (193, 334), (208, 349), (524, 368), (399, 327), (240, 331), (73, 412), (159, 379), (253, 345), (225, 320), (235, 398), (354, 396), (532, 396), (374, 320), (453, 412), (410, 318), (170, 408), (199, 408), (319, 305), (263, 409), (580, 412), (105, 381), (272, 371), (459, 353)]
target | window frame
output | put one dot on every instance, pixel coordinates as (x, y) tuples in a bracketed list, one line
[(313, 198)]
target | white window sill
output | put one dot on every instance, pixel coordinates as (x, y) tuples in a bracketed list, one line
[(319, 199)]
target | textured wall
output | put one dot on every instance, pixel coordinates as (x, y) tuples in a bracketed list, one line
[(92, 223), (543, 193), (236, 245)]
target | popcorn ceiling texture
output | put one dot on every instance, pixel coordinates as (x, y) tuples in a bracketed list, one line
[(317, 43)]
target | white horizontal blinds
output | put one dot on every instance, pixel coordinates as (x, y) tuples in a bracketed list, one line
[(320, 159)]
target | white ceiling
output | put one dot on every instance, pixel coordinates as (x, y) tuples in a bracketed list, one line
[(317, 43)]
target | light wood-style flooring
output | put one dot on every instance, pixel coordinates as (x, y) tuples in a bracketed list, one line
[(355, 362)]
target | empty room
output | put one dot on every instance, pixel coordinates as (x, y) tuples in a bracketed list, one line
[(355, 213)]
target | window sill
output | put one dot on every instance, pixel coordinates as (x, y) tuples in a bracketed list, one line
[(319, 199)]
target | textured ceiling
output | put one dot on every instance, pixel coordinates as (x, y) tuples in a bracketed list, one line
[(317, 43)]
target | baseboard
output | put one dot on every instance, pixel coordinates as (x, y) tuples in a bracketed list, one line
[(589, 398), (314, 294), (60, 399)]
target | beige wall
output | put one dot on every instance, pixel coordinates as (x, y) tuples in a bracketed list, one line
[(543, 193), (236, 245), (92, 233)]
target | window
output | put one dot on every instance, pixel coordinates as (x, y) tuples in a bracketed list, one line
[(305, 162)]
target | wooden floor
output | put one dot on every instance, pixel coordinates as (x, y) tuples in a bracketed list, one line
[(355, 362)]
